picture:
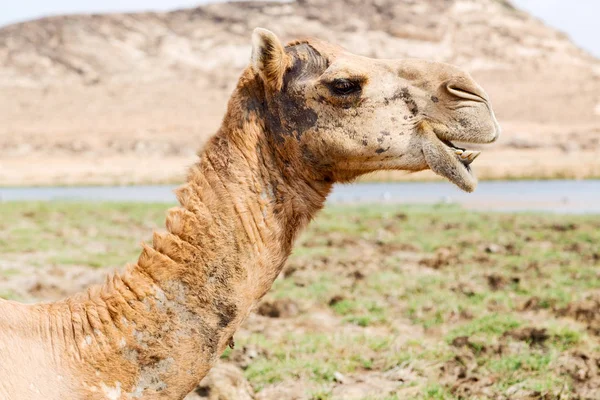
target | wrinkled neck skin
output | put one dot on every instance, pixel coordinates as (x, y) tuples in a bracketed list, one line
[(155, 330)]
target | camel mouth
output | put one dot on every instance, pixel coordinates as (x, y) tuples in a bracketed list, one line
[(448, 160), (464, 156)]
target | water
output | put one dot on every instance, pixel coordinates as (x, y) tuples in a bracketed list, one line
[(553, 196)]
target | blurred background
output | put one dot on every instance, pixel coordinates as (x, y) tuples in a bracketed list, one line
[(125, 92), (103, 106)]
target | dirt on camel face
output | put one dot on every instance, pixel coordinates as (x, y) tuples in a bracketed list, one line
[(346, 115)]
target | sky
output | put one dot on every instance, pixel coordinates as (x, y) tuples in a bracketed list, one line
[(580, 19)]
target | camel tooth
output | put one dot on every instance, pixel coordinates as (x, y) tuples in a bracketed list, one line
[(469, 156), (474, 155), (458, 152)]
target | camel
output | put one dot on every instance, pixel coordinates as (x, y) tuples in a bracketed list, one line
[(303, 117)]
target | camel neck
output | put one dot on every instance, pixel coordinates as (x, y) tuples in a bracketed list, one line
[(155, 330)]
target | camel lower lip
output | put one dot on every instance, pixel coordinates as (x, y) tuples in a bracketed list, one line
[(442, 158)]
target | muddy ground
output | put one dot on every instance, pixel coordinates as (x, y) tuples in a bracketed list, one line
[(377, 302)]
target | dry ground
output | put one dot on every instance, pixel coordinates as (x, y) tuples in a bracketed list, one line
[(384, 302)]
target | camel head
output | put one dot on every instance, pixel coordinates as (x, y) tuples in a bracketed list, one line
[(347, 115)]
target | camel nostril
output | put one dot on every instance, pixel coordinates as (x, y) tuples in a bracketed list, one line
[(466, 91)]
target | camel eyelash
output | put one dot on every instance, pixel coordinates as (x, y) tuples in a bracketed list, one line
[(344, 87)]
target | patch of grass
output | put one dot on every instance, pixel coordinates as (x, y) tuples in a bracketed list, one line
[(359, 312), (391, 397), (321, 394), (564, 338), (9, 295), (530, 372), (381, 288), (301, 356), (486, 326), (508, 365), (98, 235), (436, 392)]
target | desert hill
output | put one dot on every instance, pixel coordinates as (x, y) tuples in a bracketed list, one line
[(130, 97)]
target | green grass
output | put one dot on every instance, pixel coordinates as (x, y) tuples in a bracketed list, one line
[(97, 235), (489, 325), (397, 284)]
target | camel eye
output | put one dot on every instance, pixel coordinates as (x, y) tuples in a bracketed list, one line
[(344, 87)]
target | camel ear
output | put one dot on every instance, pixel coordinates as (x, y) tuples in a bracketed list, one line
[(269, 59)]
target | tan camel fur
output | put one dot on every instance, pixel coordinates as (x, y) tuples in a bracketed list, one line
[(302, 117)]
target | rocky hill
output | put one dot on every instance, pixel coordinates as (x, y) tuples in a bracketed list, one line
[(129, 97)]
